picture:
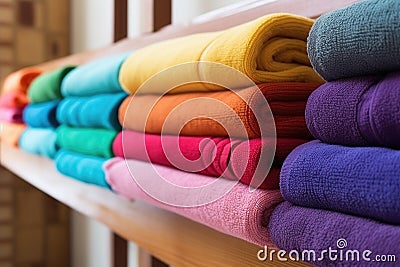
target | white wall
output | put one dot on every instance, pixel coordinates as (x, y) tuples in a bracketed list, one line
[(92, 27), (91, 24)]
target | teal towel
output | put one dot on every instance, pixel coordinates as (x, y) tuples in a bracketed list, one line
[(96, 77), (88, 169), (99, 111), (358, 40), (40, 141)]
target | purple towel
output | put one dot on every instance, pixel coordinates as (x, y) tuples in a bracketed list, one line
[(361, 111), (300, 229), (362, 181)]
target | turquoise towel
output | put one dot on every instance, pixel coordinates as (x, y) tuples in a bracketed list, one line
[(96, 77), (88, 169), (358, 40), (39, 141), (93, 111)]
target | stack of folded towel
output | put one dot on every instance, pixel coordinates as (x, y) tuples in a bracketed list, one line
[(13, 100), (190, 132), (347, 183), (44, 95), (88, 115)]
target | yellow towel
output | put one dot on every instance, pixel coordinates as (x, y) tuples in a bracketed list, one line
[(269, 49)]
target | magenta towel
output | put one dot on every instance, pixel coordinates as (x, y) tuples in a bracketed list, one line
[(213, 156), (239, 213), (13, 115)]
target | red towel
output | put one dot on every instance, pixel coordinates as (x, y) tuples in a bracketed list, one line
[(14, 100), (214, 156)]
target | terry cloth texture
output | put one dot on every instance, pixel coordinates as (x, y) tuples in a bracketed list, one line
[(84, 168), (239, 213), (217, 113), (20, 80), (361, 39), (362, 181), (10, 132), (47, 87), (269, 49), (100, 111), (232, 158), (39, 141), (89, 141), (96, 77), (360, 111), (304, 229), (41, 115)]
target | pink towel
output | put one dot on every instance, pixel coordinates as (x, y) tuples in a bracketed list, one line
[(13, 115), (214, 156), (239, 212)]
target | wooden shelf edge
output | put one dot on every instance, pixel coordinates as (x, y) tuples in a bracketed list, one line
[(168, 236)]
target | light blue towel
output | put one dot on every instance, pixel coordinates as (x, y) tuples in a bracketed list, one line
[(88, 169), (41, 115), (358, 40), (96, 77), (39, 141), (92, 111)]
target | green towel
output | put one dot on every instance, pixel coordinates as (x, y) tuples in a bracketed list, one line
[(90, 141), (47, 87)]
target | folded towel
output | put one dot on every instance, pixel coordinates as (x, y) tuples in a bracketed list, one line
[(96, 77), (39, 141), (88, 141), (363, 181), (233, 158), (361, 39), (269, 49), (84, 168), (41, 115), (47, 87), (15, 99), (357, 111), (10, 132), (208, 114), (305, 229), (20, 80), (239, 212), (13, 115), (99, 111)]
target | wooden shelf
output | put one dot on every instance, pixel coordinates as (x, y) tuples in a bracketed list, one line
[(168, 236)]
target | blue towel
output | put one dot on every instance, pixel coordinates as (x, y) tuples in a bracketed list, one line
[(363, 181), (41, 115), (361, 39), (93, 111), (304, 229), (88, 169), (39, 141), (96, 77)]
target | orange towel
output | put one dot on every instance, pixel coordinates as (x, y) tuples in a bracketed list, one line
[(14, 100), (20, 80), (200, 114), (10, 132)]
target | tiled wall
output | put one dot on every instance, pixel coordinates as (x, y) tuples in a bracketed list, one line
[(34, 228), (31, 32)]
